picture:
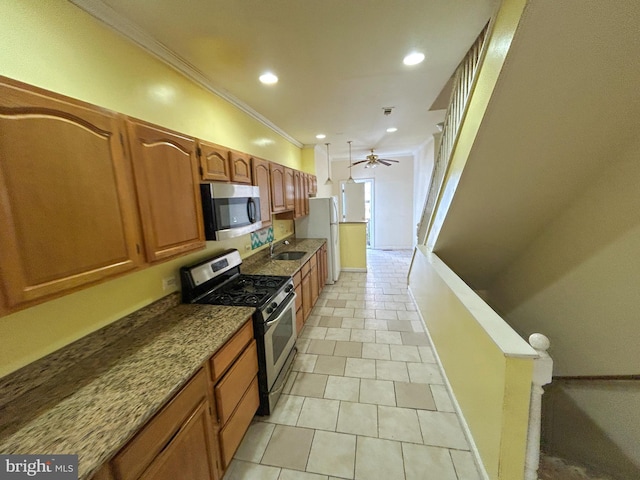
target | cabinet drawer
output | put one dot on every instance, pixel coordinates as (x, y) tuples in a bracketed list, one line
[(232, 433), (234, 384), (313, 261), (223, 359), (136, 456)]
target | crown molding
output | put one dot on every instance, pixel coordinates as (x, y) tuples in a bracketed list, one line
[(134, 33)]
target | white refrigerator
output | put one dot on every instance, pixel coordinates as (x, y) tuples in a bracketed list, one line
[(322, 222)]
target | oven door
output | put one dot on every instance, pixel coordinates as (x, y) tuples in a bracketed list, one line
[(279, 337)]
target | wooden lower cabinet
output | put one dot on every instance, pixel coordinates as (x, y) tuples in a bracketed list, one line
[(306, 293), (236, 392), (308, 283), (195, 435), (232, 433), (189, 453), (169, 437), (313, 279)]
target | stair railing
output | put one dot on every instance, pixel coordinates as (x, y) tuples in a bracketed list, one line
[(464, 77), (542, 375)]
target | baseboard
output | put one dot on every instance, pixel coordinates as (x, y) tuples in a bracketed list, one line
[(465, 427), (359, 270)]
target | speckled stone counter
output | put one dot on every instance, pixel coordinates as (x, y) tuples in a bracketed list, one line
[(92, 396), (261, 264)]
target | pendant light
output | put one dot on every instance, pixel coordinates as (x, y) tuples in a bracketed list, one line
[(328, 182), (351, 180)]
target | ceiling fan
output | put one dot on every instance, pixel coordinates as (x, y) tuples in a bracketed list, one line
[(372, 161)]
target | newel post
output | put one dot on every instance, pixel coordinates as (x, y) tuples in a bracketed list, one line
[(542, 374)]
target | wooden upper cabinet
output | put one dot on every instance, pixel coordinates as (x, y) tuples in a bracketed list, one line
[(299, 192), (67, 208), (289, 189), (240, 167), (214, 162), (278, 203), (262, 178), (166, 176), (305, 192)]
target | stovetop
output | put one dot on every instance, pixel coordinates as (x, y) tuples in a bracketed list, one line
[(246, 290)]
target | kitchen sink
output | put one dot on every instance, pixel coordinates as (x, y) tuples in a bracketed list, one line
[(289, 256)]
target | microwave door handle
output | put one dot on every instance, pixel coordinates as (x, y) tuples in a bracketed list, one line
[(251, 210)]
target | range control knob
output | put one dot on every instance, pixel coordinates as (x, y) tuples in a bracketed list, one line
[(272, 307), (288, 288)]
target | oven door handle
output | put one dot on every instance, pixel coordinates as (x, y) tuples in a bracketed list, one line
[(284, 305)]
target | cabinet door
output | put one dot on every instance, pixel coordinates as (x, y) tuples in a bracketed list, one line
[(299, 191), (189, 455), (240, 167), (278, 203), (166, 176), (313, 190), (289, 189), (306, 296), (313, 280), (214, 162), (305, 192), (262, 178), (67, 202)]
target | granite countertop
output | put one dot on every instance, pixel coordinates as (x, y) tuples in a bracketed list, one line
[(92, 396), (261, 264)]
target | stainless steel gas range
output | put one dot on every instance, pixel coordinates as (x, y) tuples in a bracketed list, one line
[(218, 281)]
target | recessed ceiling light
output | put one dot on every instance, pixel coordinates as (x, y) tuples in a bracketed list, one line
[(392, 129), (268, 78), (413, 58), (320, 136)]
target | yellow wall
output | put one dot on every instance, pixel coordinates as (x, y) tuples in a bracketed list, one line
[(491, 387), (56, 46), (308, 159), (353, 246)]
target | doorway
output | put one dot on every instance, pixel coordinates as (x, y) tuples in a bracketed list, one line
[(369, 213)]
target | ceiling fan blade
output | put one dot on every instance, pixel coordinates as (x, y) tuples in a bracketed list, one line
[(388, 160), (361, 161), (384, 162)]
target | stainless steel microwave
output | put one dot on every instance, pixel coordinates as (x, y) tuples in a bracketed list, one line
[(230, 210)]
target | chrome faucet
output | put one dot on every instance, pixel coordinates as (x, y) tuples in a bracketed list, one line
[(272, 247)]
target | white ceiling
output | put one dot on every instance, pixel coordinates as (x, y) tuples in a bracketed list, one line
[(339, 61)]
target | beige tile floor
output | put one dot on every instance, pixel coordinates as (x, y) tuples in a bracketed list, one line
[(366, 399)]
